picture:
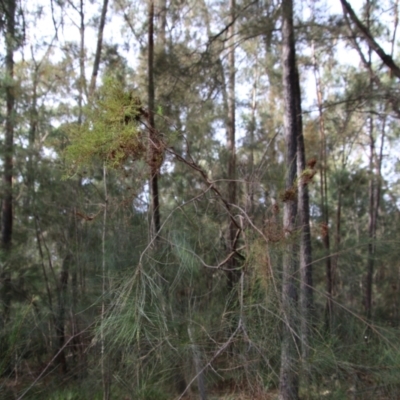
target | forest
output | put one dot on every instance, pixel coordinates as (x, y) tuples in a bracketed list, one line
[(199, 199)]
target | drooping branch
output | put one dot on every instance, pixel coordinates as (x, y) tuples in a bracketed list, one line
[(197, 168), (392, 99), (386, 58)]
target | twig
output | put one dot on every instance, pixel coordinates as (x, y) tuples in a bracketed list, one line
[(197, 168)]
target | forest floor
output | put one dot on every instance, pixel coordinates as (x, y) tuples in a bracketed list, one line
[(51, 388)]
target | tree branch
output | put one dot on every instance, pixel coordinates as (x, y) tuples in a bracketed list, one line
[(387, 59)]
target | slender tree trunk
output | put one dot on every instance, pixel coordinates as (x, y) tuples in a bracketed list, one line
[(288, 381), (374, 204), (335, 258), (105, 372), (96, 64), (33, 121), (250, 185), (229, 107), (155, 153), (374, 185), (305, 174), (60, 318), (45, 277), (7, 211), (162, 25), (324, 196), (371, 251), (82, 80), (371, 224), (198, 367), (233, 274), (72, 270), (9, 8)]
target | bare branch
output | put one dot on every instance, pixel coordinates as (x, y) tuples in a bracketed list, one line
[(387, 59)]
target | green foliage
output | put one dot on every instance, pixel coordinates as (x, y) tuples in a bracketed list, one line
[(10, 338), (354, 361), (167, 305), (109, 132)]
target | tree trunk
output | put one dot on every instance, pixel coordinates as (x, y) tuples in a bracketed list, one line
[(233, 274), (96, 64), (250, 185), (288, 381), (324, 196), (371, 223), (82, 81), (33, 122), (7, 211), (9, 9), (374, 203), (305, 174), (162, 18), (374, 188), (60, 319), (335, 258), (105, 370), (155, 153)]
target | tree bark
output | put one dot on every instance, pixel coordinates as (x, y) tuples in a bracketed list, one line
[(324, 197), (374, 203), (82, 80), (335, 258), (155, 153), (105, 370), (288, 381), (162, 25), (233, 274), (371, 211), (250, 184), (60, 319), (33, 123), (7, 211), (96, 64), (374, 186), (9, 9), (305, 174)]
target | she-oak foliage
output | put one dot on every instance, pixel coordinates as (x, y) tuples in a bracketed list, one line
[(110, 132), (168, 315)]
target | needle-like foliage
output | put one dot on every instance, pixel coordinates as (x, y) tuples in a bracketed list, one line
[(110, 132)]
